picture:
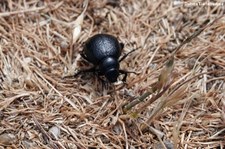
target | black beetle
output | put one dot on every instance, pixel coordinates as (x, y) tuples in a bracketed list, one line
[(103, 51)]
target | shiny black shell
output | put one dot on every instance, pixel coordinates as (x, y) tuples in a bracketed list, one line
[(101, 46)]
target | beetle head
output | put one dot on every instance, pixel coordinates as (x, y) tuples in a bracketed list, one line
[(112, 75), (110, 68)]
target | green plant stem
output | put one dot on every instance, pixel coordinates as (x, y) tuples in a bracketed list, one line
[(135, 102)]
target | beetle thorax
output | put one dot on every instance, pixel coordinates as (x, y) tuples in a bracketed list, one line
[(109, 66)]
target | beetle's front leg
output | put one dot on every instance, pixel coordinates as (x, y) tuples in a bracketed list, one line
[(125, 72), (92, 69), (125, 55)]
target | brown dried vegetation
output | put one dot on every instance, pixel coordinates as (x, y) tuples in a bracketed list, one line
[(41, 106)]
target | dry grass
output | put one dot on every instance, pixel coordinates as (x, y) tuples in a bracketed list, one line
[(40, 108)]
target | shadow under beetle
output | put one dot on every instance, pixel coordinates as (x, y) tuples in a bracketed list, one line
[(103, 51)]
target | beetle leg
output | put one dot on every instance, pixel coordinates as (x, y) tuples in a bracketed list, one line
[(121, 45), (125, 72), (125, 55), (85, 71), (125, 75), (104, 83)]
